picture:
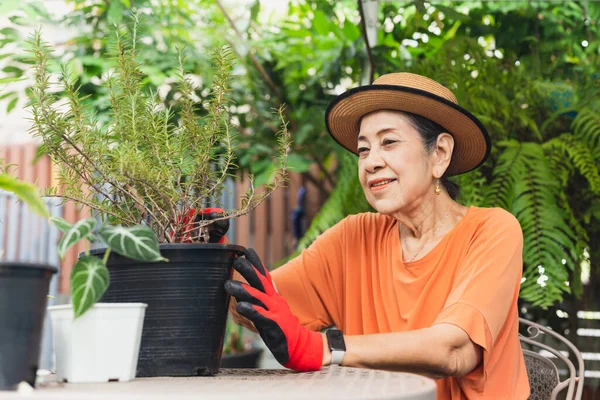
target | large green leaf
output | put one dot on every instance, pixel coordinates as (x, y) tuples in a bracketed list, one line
[(24, 191), (10, 79), (62, 224), (89, 280), (80, 230), (136, 242)]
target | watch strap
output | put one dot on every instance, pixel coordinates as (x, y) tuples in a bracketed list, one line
[(337, 356), (337, 346)]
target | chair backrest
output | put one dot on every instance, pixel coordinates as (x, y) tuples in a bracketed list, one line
[(543, 373)]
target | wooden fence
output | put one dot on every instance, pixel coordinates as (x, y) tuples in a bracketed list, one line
[(268, 229)]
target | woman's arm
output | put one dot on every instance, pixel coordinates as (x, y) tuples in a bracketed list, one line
[(439, 351)]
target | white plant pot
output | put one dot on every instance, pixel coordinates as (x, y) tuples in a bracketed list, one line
[(100, 346)]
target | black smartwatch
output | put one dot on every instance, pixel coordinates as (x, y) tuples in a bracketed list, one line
[(335, 338)]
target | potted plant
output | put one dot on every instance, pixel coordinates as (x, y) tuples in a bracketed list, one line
[(99, 342), (23, 297), (159, 165)]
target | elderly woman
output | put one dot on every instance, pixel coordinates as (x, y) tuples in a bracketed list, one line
[(425, 284)]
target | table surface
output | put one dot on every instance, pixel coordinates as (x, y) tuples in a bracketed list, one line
[(265, 384)]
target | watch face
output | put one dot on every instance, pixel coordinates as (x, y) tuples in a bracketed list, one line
[(335, 337)]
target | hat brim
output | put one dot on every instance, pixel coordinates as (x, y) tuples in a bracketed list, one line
[(472, 143)]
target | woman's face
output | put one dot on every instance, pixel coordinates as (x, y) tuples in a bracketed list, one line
[(393, 165)]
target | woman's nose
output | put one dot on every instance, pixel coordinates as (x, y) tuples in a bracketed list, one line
[(374, 161)]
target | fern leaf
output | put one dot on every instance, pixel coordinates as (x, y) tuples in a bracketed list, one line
[(509, 165), (587, 127), (550, 245), (572, 148)]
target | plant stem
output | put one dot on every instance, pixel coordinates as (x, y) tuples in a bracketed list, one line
[(106, 254), (78, 172), (92, 206), (94, 168), (363, 25)]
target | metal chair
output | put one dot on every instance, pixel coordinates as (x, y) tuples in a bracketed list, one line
[(544, 378)]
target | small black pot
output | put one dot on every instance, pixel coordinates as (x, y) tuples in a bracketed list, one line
[(247, 359), (23, 299), (184, 326)]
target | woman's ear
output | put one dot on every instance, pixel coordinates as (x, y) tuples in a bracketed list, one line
[(442, 154)]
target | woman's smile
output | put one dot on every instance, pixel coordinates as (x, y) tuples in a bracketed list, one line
[(377, 185)]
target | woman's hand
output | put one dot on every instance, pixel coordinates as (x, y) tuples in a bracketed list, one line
[(293, 345)]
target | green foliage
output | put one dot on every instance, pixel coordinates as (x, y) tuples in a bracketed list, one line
[(473, 187), (548, 240), (150, 163), (544, 164), (89, 280), (72, 235), (501, 192), (18, 15), (524, 68), (586, 127), (138, 242), (25, 192), (580, 155), (305, 56), (89, 276)]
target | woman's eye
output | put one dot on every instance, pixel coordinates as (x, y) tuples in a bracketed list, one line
[(389, 141), (362, 150)]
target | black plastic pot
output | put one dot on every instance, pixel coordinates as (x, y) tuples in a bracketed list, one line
[(185, 320), (23, 299), (246, 359)]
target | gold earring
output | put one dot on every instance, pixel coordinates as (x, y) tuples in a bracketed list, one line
[(438, 190)]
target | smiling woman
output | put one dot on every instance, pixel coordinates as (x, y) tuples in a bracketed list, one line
[(424, 284), (394, 139)]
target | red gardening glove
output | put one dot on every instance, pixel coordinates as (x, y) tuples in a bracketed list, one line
[(293, 345), (216, 230)]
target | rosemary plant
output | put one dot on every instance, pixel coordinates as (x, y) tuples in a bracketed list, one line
[(150, 163)]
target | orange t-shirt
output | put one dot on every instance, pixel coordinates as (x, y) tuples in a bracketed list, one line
[(353, 277)]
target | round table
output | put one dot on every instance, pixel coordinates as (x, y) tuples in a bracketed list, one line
[(248, 384)]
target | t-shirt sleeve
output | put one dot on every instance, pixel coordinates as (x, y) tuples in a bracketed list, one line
[(312, 282), (486, 285)]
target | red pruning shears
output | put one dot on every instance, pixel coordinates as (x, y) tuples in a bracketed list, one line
[(213, 233)]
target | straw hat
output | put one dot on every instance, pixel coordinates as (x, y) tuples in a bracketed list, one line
[(418, 95)]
